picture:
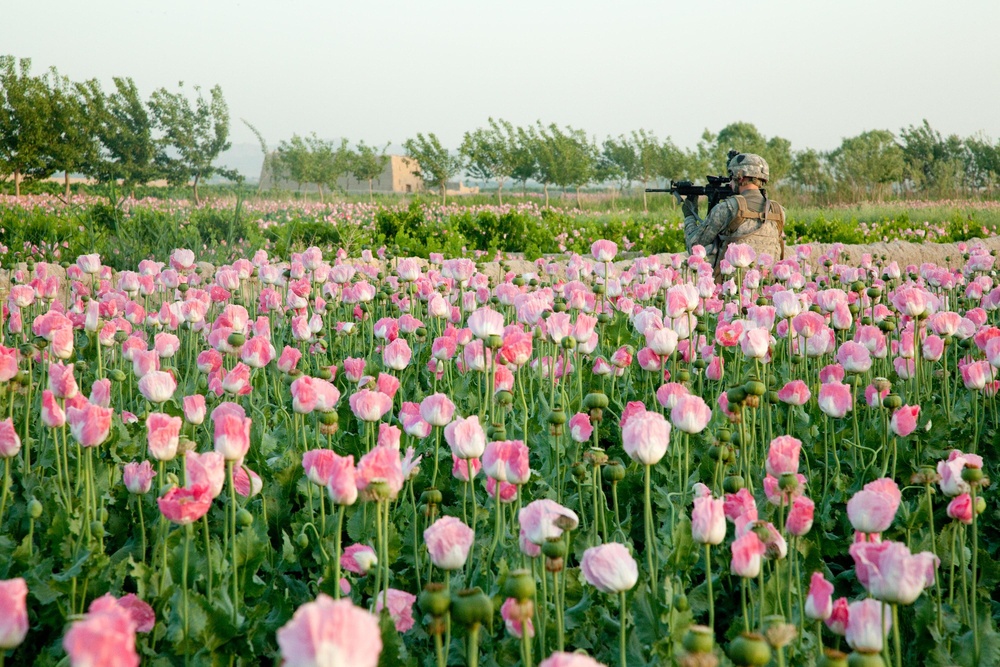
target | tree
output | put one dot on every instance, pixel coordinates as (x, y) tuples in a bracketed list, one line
[(25, 129), (616, 163), (544, 156), (524, 165), (124, 130), (778, 154), (435, 164), (868, 163), (488, 154), (934, 163), (294, 161), (745, 138), (605, 171), (367, 164), (268, 166), (807, 170), (638, 156), (329, 162), (74, 138), (985, 158), (565, 158), (193, 136)]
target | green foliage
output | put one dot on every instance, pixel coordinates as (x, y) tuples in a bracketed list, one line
[(435, 163), (193, 136)]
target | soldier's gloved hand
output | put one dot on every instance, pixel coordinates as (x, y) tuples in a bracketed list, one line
[(690, 206)]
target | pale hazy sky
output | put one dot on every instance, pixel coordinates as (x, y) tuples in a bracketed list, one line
[(813, 72)]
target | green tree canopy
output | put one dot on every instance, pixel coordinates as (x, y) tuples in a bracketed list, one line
[(368, 163), (124, 129), (435, 163), (26, 133), (868, 163), (192, 135), (489, 154)]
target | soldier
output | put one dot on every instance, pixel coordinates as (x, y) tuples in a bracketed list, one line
[(747, 217)]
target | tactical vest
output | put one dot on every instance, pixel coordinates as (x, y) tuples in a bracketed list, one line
[(763, 231)]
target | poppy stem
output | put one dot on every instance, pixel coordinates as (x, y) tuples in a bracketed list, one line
[(623, 611)]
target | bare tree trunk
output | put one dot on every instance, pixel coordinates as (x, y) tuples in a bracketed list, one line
[(197, 201), (500, 192), (17, 182), (444, 194), (545, 187), (319, 186), (371, 195), (66, 178), (645, 205), (578, 197)]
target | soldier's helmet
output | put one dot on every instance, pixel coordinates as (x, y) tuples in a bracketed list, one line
[(748, 165)]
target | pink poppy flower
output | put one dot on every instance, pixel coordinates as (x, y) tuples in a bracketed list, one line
[(507, 461), (370, 406), (157, 386), (379, 474), (867, 626), (105, 636), (872, 509), (400, 605), (904, 420), (162, 435), (545, 519), (800, 516), (90, 425), (359, 559), (580, 428), (835, 399), (604, 250), (645, 437), (448, 542), (13, 613), (690, 414), (328, 630), (746, 554), (465, 437), (182, 505), (819, 601), (517, 617), (208, 469), (708, 520), (609, 568)]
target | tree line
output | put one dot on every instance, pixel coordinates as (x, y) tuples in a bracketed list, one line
[(918, 161), (51, 125)]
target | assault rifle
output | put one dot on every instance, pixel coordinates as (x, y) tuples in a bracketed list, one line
[(716, 189)]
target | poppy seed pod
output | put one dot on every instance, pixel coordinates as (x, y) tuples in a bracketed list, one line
[(471, 607), (434, 600), (698, 639), (749, 650), (520, 585)]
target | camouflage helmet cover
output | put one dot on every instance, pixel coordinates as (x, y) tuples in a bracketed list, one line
[(748, 165)]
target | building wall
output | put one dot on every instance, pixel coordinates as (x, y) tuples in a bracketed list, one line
[(397, 176)]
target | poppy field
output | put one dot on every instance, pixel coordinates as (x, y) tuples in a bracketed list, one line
[(349, 458)]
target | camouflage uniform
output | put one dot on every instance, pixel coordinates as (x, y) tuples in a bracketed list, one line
[(761, 230)]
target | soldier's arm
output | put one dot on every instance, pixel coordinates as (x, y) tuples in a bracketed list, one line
[(705, 232)]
